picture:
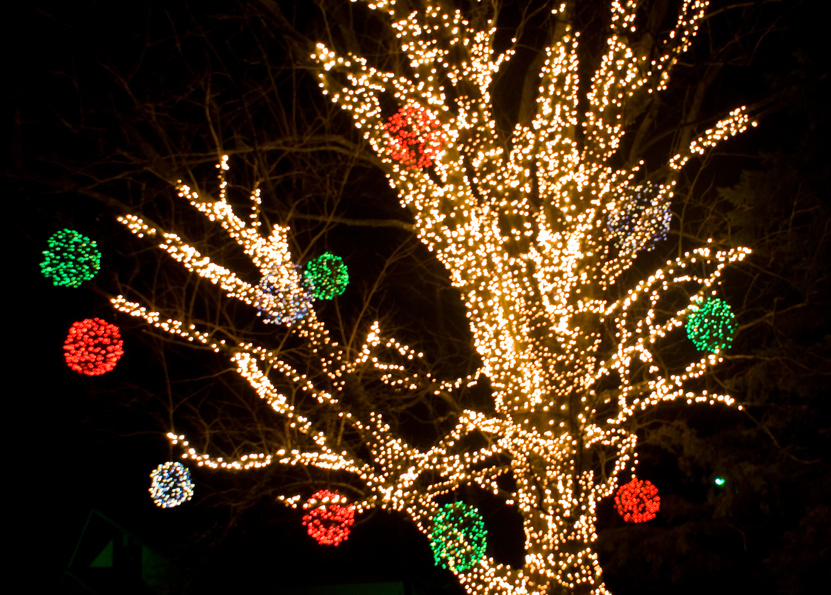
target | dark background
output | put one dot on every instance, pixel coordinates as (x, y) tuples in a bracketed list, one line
[(79, 444)]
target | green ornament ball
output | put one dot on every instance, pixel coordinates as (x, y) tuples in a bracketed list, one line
[(326, 276), (71, 258), (711, 325), (458, 537)]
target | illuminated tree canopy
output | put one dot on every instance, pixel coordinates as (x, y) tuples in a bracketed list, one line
[(539, 233)]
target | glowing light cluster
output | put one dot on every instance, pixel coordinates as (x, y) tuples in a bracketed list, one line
[(538, 277), (93, 346), (641, 219), (326, 276), (269, 254), (538, 230), (458, 537), (414, 137), (637, 501), (71, 258), (327, 520), (284, 300), (711, 324), (170, 485)]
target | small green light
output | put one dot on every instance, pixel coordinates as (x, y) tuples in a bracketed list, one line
[(720, 481), (71, 259), (711, 324), (458, 537), (326, 276)]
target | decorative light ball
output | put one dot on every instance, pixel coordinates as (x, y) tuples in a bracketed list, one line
[(328, 519), (93, 346), (170, 485), (284, 299), (458, 537), (711, 325), (637, 501), (414, 137), (640, 219), (71, 259), (326, 276)]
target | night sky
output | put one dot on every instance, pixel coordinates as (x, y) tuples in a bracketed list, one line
[(88, 443)]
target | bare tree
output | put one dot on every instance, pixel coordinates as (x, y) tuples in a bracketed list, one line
[(541, 221)]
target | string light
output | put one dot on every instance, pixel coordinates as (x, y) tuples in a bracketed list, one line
[(283, 299), (637, 501), (527, 228), (328, 521), (640, 220), (71, 258), (711, 324), (458, 537), (326, 276), (539, 283), (93, 346), (170, 485), (415, 137)]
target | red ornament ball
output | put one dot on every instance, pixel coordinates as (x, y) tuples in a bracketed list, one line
[(93, 346), (637, 501), (327, 520), (414, 137)]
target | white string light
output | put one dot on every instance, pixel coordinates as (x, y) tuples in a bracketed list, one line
[(522, 228)]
